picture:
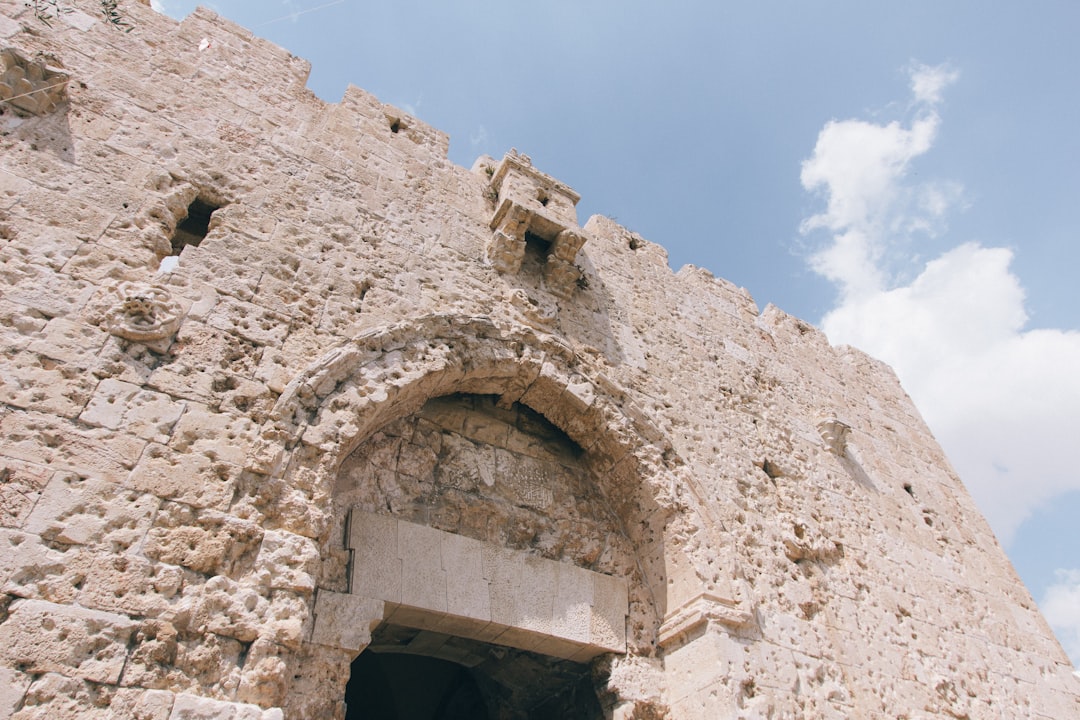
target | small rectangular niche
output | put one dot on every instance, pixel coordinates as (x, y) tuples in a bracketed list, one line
[(193, 228)]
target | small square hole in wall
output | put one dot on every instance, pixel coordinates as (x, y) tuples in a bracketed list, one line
[(193, 228)]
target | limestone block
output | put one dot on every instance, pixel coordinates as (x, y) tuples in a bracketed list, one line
[(536, 595), (204, 540), (145, 413), (194, 707), (217, 435), (141, 704), (608, 628), (39, 383), (265, 675), (572, 604), (18, 325), (292, 296), (290, 561), (12, 187), (130, 584), (21, 484), (467, 592), (345, 621), (249, 321), (89, 511), (69, 340), (30, 568), (231, 270), (201, 361), (46, 637), (423, 580), (502, 568), (224, 607), (154, 652), (53, 695), (13, 685), (376, 564), (50, 441), (695, 666), (190, 478)]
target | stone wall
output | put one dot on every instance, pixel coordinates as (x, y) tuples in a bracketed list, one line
[(357, 324)]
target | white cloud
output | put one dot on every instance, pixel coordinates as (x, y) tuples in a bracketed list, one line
[(1003, 402), (1061, 606), (478, 139), (927, 83), (858, 166), (158, 6)]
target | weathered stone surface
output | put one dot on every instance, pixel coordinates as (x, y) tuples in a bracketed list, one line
[(76, 510), (45, 637), (205, 541), (554, 442), (21, 485), (117, 404)]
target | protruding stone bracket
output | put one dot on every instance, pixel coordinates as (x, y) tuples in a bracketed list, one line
[(705, 609), (30, 86), (834, 433), (531, 202), (144, 313)]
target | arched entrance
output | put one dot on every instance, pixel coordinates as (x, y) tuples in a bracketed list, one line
[(371, 398)]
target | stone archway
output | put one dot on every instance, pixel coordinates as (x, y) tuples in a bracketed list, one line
[(347, 396)]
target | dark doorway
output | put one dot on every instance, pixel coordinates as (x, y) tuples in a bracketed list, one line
[(409, 674), (397, 686)]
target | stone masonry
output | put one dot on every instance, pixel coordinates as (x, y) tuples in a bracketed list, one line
[(376, 402)]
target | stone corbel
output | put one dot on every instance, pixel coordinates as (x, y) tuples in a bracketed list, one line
[(834, 433), (560, 273), (506, 250), (704, 610), (31, 87)]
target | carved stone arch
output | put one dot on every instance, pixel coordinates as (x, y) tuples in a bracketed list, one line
[(339, 401)]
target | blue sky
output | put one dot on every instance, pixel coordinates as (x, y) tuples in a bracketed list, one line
[(904, 175)]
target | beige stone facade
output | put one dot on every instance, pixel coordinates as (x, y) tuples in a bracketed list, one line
[(387, 412)]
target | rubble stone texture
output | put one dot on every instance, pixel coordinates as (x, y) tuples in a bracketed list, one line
[(383, 396)]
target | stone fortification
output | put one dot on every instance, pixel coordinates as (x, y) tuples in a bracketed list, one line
[(399, 437)]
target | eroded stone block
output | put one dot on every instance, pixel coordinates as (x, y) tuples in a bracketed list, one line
[(190, 478), (290, 561), (204, 540), (89, 511), (21, 485), (48, 441), (46, 637), (148, 414)]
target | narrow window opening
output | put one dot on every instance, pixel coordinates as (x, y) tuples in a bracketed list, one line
[(395, 126), (543, 198), (908, 489), (193, 228), (536, 244)]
